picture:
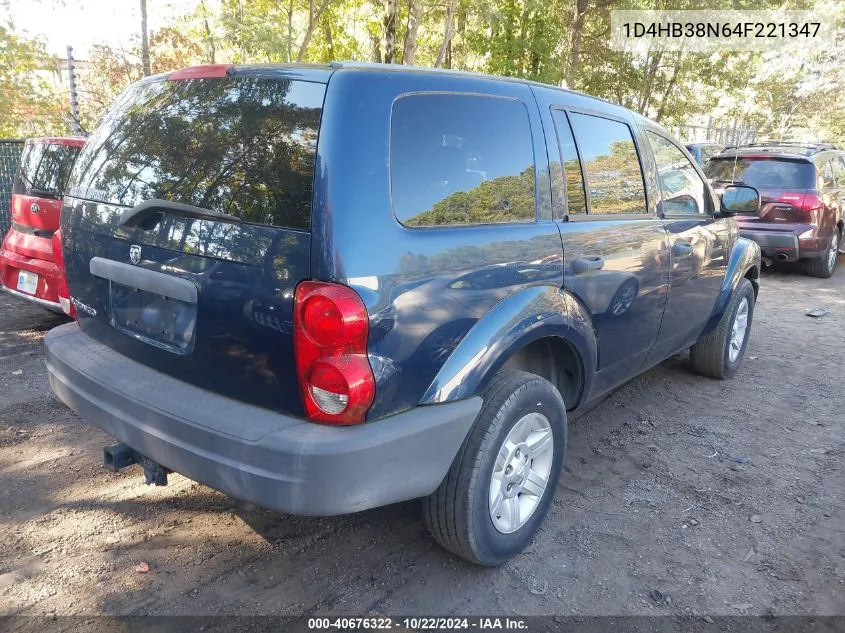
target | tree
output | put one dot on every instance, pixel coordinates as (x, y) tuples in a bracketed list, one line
[(447, 34), (390, 33), (314, 13), (575, 40), (145, 44), (28, 105), (409, 49)]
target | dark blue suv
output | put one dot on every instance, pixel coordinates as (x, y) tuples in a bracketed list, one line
[(328, 288)]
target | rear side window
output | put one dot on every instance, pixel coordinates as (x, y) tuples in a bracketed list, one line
[(461, 159), (762, 172), (244, 146), (573, 182), (44, 169), (611, 165)]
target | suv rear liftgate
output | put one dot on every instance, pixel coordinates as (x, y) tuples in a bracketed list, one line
[(189, 229)]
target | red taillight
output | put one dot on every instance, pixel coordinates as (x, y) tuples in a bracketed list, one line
[(803, 201), (17, 206), (330, 326), (61, 286), (811, 202)]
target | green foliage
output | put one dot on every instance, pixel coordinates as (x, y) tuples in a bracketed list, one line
[(27, 106), (560, 42)]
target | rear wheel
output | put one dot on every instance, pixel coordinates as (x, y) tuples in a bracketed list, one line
[(826, 264), (719, 353), (502, 481)]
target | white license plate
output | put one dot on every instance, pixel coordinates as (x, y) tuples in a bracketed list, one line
[(27, 282)]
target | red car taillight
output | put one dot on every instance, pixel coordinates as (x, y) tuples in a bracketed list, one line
[(17, 206), (330, 326), (62, 289), (802, 201)]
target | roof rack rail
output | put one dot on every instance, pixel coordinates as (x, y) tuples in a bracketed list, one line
[(811, 146)]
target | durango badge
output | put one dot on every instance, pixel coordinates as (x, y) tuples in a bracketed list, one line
[(135, 253)]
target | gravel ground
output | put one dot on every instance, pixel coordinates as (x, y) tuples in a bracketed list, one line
[(682, 495)]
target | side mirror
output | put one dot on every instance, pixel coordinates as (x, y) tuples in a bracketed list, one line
[(740, 199)]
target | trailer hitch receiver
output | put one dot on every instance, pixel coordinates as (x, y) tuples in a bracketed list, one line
[(118, 456)]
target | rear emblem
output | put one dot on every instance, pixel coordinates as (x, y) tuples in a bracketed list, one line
[(135, 253), (34, 208)]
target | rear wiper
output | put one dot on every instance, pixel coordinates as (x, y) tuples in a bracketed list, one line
[(43, 193), (149, 208)]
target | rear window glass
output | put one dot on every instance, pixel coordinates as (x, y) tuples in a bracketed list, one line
[(44, 169), (709, 152), (242, 146), (461, 159), (611, 165), (772, 173)]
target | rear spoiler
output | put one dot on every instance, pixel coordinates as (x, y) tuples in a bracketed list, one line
[(149, 208)]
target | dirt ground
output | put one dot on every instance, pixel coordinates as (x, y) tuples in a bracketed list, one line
[(682, 495)]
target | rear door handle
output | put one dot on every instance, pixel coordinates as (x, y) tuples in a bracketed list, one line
[(583, 264), (680, 249)]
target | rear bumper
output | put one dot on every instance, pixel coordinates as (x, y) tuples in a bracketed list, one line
[(12, 262), (44, 303), (786, 246), (250, 453)]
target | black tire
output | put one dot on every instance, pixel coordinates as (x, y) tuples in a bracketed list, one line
[(457, 513), (710, 356), (825, 265)]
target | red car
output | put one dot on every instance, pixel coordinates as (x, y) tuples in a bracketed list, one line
[(802, 188), (30, 258)]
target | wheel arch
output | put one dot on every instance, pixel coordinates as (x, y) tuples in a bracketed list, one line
[(744, 263), (543, 330)]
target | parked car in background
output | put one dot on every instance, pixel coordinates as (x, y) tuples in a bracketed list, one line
[(702, 152), (802, 187), (30, 258), (410, 308)]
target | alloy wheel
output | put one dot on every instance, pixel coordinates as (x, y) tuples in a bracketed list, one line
[(738, 331), (521, 472)]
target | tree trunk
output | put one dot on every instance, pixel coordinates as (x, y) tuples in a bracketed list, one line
[(314, 15), (145, 42), (574, 61), (212, 47), (390, 33), (375, 43), (327, 31), (447, 34), (669, 87), (653, 65), (290, 31), (409, 50)]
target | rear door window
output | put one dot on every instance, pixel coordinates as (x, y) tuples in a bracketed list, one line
[(460, 159), (44, 169), (245, 146), (611, 165), (572, 180), (762, 172)]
